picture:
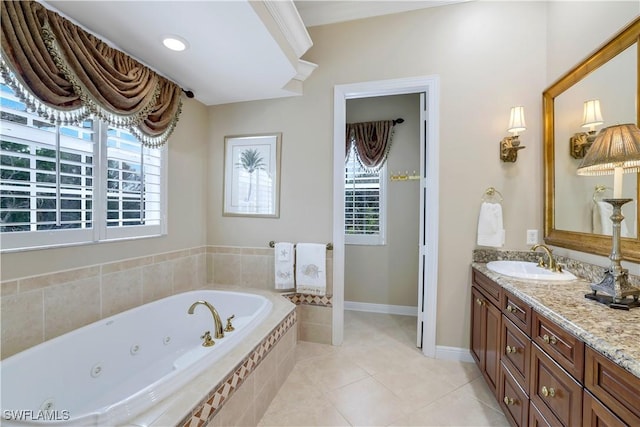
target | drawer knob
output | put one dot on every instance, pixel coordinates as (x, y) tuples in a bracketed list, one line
[(549, 339), (511, 309), (548, 392), (479, 301), (510, 349), (508, 400)]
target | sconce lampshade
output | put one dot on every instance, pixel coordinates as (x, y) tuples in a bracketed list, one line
[(516, 120), (615, 147), (592, 116)]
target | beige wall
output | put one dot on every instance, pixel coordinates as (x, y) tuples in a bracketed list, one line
[(187, 184), (484, 69), (388, 274)]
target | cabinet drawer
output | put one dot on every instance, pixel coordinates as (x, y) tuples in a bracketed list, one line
[(488, 287), (595, 414), (535, 417), (554, 391), (517, 311), (563, 347), (514, 400), (616, 388), (516, 352)]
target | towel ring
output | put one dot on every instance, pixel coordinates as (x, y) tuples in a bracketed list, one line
[(598, 192), (490, 193)]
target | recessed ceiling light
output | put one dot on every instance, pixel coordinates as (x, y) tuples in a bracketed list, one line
[(175, 43)]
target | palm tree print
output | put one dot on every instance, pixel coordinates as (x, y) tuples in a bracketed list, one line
[(251, 161)]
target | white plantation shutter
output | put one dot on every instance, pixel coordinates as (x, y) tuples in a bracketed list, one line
[(50, 192), (364, 203)]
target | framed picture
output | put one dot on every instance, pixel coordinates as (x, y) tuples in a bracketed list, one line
[(252, 175)]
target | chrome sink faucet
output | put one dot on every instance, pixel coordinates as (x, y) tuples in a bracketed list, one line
[(553, 265), (217, 323)]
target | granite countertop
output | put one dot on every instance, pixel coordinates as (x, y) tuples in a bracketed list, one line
[(613, 333)]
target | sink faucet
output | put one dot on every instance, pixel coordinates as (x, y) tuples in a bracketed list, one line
[(553, 265), (217, 323)]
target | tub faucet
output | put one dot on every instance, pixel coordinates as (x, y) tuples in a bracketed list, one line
[(217, 323), (553, 265)]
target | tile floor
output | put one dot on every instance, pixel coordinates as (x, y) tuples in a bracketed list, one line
[(378, 378)]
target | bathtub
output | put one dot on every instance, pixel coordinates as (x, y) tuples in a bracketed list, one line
[(110, 371)]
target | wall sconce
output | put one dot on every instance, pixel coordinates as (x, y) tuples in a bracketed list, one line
[(591, 117), (510, 145)]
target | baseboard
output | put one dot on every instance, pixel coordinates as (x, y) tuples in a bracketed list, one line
[(403, 310), (454, 353)]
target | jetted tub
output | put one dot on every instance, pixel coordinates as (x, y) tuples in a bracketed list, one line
[(110, 371)]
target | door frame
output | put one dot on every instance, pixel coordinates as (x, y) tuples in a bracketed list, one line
[(429, 181)]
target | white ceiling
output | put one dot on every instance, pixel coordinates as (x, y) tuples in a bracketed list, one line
[(239, 50)]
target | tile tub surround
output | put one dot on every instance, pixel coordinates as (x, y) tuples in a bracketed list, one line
[(315, 323), (250, 267), (38, 308), (613, 333), (240, 386)]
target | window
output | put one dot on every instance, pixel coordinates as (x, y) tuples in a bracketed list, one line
[(364, 222), (74, 184)]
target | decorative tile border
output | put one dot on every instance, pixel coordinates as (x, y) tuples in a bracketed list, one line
[(207, 408), (309, 299)]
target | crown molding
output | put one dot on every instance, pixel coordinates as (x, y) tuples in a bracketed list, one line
[(288, 20)]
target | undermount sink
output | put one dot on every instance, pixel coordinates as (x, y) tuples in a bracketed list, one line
[(528, 270)]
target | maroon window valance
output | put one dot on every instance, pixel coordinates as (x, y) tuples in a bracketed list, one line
[(372, 142), (66, 74)]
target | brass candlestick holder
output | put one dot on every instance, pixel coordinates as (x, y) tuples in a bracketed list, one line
[(615, 284)]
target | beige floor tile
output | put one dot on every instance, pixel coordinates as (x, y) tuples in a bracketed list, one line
[(331, 372), (367, 403), (378, 377), (454, 409), (318, 412)]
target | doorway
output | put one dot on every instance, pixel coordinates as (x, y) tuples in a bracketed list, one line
[(428, 223)]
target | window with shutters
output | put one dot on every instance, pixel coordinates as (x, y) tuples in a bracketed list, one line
[(364, 222), (65, 185)]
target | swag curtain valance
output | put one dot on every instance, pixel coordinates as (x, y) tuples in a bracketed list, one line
[(66, 74), (372, 142)]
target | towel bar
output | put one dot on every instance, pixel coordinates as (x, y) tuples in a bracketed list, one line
[(272, 244)]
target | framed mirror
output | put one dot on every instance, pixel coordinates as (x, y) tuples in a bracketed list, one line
[(574, 216), (252, 175)]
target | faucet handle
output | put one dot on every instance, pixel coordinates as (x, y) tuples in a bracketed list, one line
[(229, 326), (541, 263), (208, 341)]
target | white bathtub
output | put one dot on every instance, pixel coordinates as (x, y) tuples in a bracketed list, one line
[(110, 371)]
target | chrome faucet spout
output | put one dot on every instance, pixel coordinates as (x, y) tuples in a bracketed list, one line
[(553, 265), (217, 322)]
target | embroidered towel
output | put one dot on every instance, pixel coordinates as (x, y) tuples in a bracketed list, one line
[(311, 262), (490, 229), (283, 257)]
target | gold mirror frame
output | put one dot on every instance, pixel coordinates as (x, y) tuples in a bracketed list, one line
[(585, 242)]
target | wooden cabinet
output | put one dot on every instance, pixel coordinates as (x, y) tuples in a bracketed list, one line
[(557, 395), (541, 374), (613, 386), (595, 414), (485, 337)]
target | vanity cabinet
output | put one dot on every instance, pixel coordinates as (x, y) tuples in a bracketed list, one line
[(541, 374), (486, 321)]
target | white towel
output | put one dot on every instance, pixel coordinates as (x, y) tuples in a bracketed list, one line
[(283, 257), (490, 228), (311, 263), (604, 212)]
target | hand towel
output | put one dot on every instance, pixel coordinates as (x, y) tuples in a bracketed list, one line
[(605, 210), (490, 228), (311, 262), (283, 257)]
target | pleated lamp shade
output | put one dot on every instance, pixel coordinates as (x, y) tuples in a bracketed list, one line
[(615, 147)]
